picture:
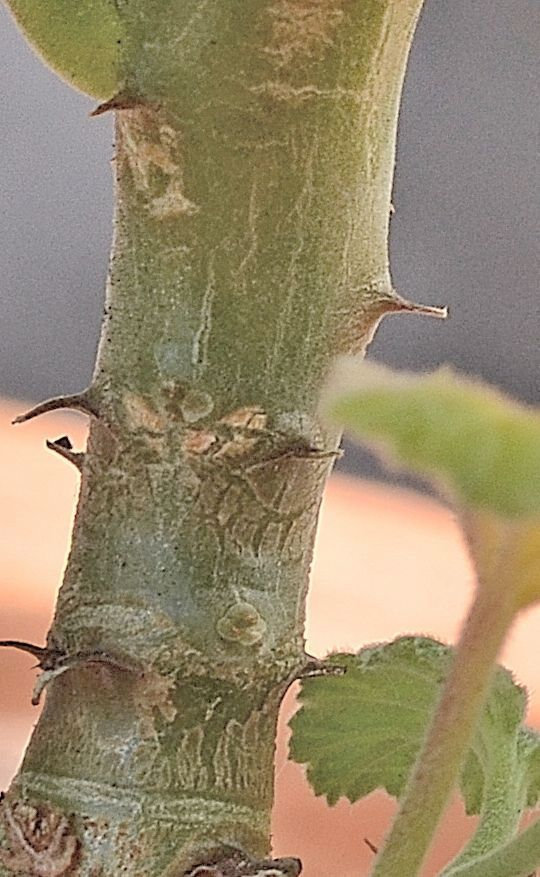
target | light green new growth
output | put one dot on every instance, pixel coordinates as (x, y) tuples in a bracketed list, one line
[(483, 448), (486, 451), (479, 444), (80, 39), (518, 858)]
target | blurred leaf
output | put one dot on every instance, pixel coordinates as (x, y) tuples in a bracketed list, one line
[(478, 443), (80, 40), (529, 748), (518, 857), (363, 730)]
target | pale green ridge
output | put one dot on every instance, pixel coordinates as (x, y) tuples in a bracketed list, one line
[(81, 41), (473, 440)]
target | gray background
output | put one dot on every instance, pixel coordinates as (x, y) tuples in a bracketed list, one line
[(465, 230)]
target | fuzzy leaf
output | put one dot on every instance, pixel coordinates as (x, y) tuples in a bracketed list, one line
[(478, 443), (518, 857), (363, 730), (529, 746), (80, 40)]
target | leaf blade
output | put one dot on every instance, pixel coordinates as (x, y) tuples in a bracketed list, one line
[(379, 712), (471, 439)]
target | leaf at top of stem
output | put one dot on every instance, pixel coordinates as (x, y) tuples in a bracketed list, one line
[(363, 730), (81, 41), (479, 444)]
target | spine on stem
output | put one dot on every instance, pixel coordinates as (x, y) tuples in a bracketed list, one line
[(254, 161)]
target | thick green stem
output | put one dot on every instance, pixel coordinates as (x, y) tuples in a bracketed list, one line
[(255, 154), (437, 769)]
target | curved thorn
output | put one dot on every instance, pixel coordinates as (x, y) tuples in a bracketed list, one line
[(440, 312), (118, 102), (77, 401), (403, 304), (47, 658), (37, 651), (65, 451)]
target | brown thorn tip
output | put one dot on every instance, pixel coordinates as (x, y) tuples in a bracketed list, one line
[(78, 401), (63, 448), (404, 304), (441, 313), (37, 651), (118, 102)]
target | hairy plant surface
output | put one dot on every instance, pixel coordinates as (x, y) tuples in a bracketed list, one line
[(254, 159)]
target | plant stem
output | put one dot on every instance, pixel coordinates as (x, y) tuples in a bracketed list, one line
[(518, 858), (255, 155), (437, 769)]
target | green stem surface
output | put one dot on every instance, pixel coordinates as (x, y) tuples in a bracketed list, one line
[(254, 163)]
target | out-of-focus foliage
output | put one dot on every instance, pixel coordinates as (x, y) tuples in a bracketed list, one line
[(80, 39)]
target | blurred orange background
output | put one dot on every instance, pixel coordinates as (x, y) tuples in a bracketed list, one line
[(387, 562)]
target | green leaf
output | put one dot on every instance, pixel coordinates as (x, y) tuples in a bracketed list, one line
[(500, 778), (529, 747), (500, 730), (518, 857), (363, 730), (481, 445), (80, 40)]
